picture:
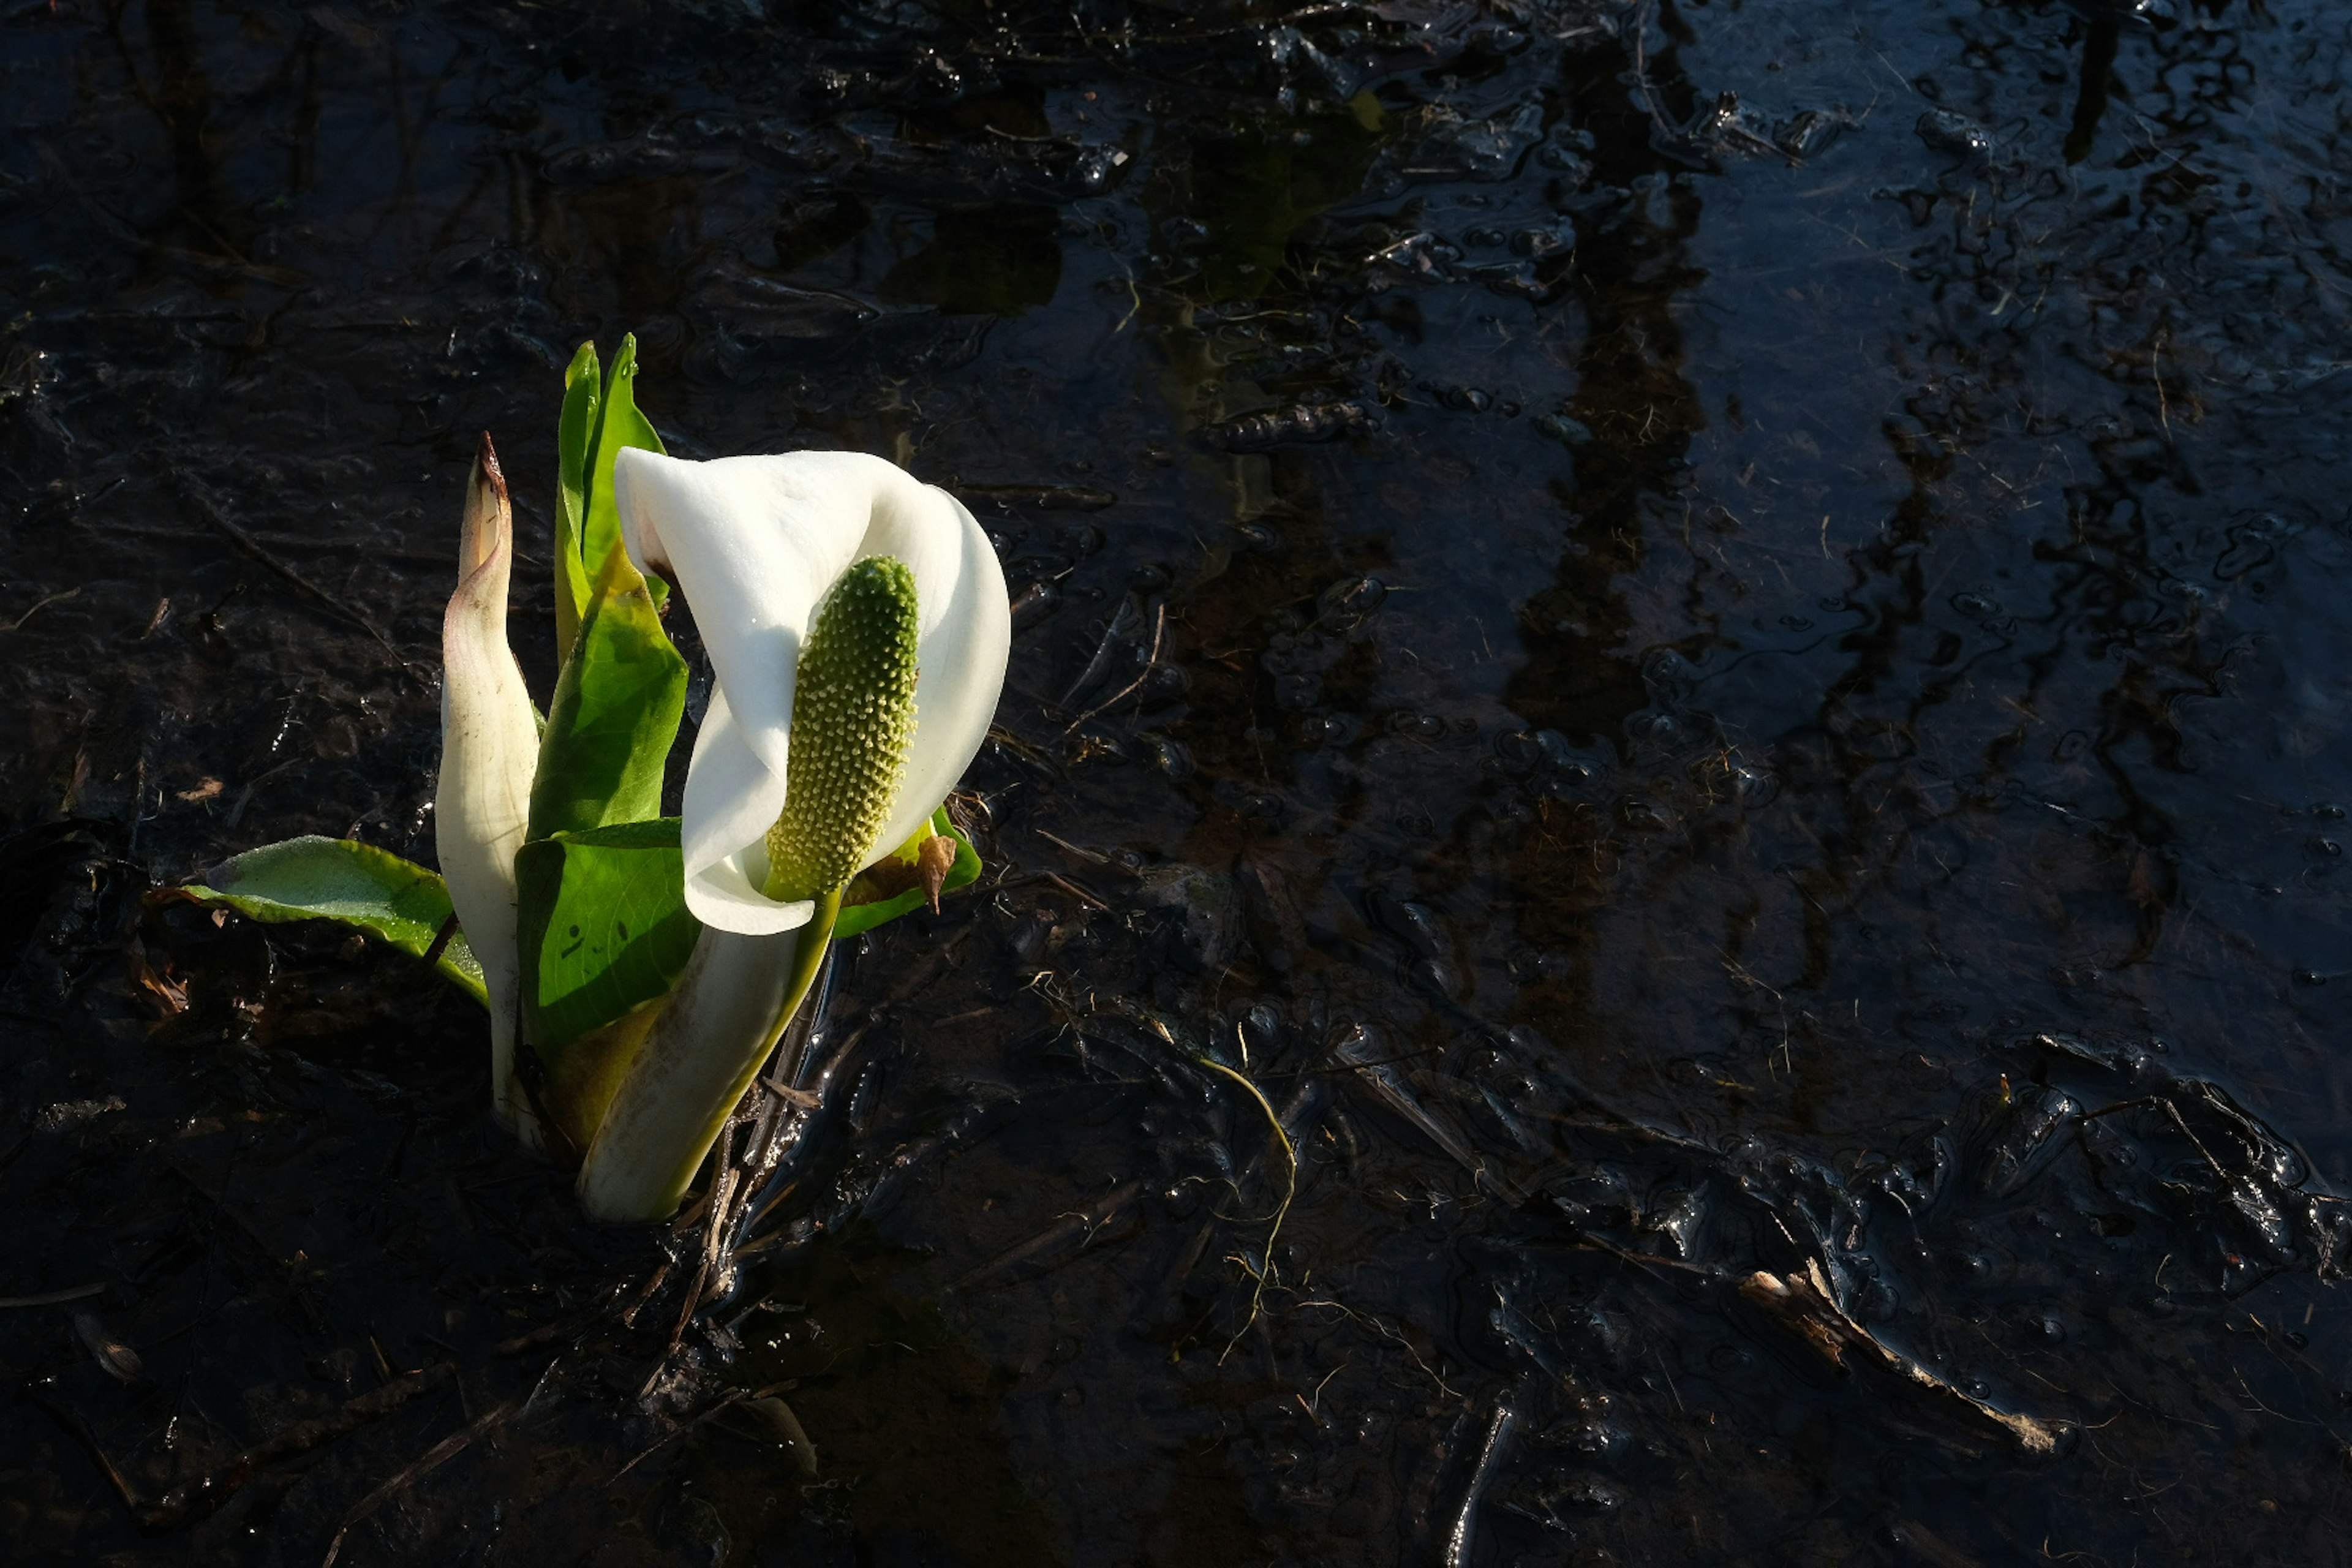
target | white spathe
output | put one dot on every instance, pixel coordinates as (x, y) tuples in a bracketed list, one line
[(489, 751), (755, 544)]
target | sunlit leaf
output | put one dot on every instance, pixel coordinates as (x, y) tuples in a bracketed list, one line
[(618, 426), (345, 881), (575, 436), (615, 713), (604, 928), (884, 883)]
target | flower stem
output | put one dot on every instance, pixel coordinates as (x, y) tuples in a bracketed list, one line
[(725, 1016), (815, 937)]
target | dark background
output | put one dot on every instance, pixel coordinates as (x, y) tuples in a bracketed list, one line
[(1708, 637)]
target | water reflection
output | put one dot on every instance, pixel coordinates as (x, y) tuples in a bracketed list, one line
[(2102, 31), (1628, 424), (1689, 698)]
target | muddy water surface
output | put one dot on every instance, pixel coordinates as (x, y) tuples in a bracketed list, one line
[(1706, 641)]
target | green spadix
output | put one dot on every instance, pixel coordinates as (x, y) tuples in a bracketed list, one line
[(853, 715)]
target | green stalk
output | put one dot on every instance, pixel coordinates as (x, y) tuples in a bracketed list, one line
[(815, 937)]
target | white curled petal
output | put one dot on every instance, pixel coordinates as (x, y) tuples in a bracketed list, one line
[(727, 897), (753, 543), (731, 798), (960, 668)]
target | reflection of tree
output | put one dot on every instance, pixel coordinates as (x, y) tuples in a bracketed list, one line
[(1630, 394), (182, 100), (998, 259), (2098, 73), (2074, 690)]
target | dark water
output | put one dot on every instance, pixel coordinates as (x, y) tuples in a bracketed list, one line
[(1710, 639)]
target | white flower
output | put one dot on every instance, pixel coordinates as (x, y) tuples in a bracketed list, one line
[(489, 750), (755, 544)]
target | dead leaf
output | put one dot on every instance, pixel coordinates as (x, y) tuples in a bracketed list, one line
[(933, 861)]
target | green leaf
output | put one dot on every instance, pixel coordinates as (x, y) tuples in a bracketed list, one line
[(618, 426), (344, 881), (575, 436), (615, 713), (855, 919), (603, 929)]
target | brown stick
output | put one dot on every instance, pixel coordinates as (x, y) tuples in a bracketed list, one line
[(441, 1453), (193, 1499)]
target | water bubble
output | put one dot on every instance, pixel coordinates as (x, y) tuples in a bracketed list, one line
[(1171, 757), (1350, 596), (1518, 750), (1756, 786), (1567, 432), (1643, 815), (1955, 135), (1419, 726), (1325, 729)]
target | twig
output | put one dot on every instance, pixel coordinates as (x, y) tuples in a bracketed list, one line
[(441, 1453), (1072, 889), (678, 1332), (1640, 26), (1092, 857), (1806, 1303), (652, 1283), (192, 1499), (668, 1437), (54, 1298), (1158, 633), (441, 941), (1389, 1333), (237, 535), (81, 1434), (1290, 1190), (1499, 1435), (1083, 1224), (68, 593), (1100, 664)]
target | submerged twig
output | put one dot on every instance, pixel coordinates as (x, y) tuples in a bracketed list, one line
[(1265, 1270), (79, 1431), (441, 1453), (741, 1394), (191, 1499), (1151, 663), (1084, 1224), (1499, 1435), (197, 496), (1100, 664), (52, 1298), (1806, 1304), (39, 605), (787, 1112)]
